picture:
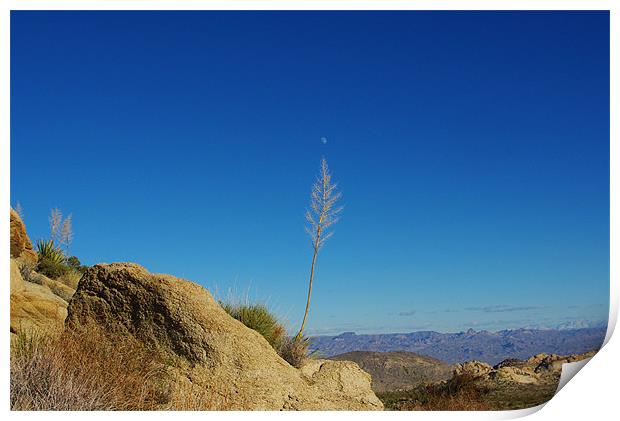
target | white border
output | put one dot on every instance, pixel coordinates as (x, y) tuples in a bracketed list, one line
[(587, 397)]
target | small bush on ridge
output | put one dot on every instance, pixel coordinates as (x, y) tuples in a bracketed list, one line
[(51, 268), (295, 350), (258, 317), (74, 263)]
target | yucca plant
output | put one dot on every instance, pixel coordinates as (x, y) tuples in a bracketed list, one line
[(323, 213), (47, 250)]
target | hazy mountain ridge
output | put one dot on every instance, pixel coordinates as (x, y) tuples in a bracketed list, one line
[(485, 346)]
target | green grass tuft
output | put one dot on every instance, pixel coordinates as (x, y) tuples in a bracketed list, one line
[(258, 317)]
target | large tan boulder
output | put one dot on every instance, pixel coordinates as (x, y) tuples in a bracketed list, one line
[(211, 351), (21, 246), (34, 306)]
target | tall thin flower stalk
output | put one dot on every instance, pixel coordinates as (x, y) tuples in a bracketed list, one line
[(61, 230), (323, 213)]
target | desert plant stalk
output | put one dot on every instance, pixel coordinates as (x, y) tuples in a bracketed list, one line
[(20, 210), (61, 230), (323, 213)]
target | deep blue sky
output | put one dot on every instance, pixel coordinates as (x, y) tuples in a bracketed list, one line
[(472, 150)]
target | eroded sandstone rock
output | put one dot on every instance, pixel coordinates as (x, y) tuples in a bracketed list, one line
[(21, 246), (34, 306)]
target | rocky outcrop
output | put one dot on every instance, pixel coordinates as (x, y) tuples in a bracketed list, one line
[(34, 306), (513, 383), (539, 369), (21, 246), (553, 363), (209, 349), (472, 368), (37, 302)]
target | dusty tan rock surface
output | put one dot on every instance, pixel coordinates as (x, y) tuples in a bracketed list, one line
[(211, 350), (21, 246), (16, 280), (34, 306)]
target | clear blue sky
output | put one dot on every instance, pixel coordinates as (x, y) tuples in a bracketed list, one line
[(472, 150)]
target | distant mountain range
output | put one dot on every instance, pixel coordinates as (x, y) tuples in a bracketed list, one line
[(485, 346)]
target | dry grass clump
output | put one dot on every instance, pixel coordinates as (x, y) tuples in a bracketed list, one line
[(71, 278), (259, 318), (293, 350), (85, 371), (91, 370)]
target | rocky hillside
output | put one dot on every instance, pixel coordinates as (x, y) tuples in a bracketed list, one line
[(489, 347), (392, 371), (510, 384), (517, 383)]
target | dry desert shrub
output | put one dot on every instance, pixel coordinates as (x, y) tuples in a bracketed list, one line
[(463, 400), (459, 394), (84, 371), (295, 350)]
